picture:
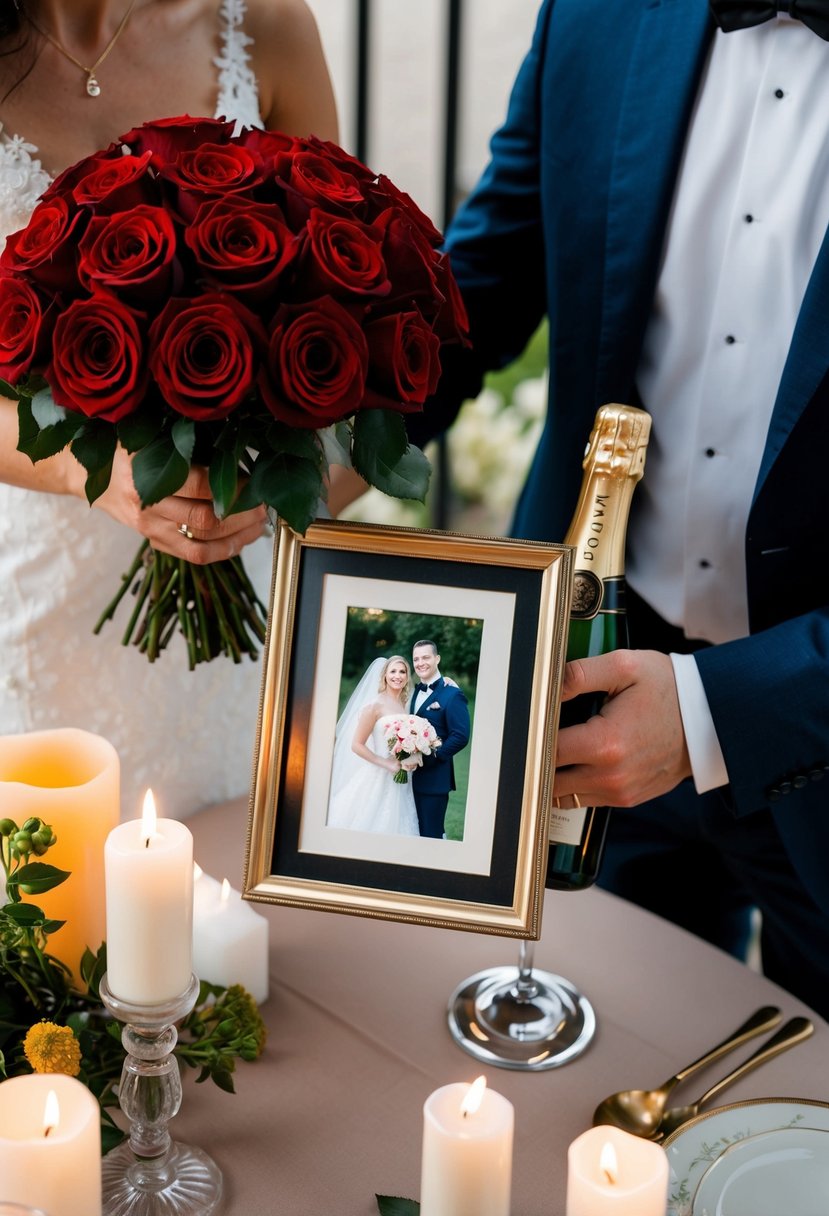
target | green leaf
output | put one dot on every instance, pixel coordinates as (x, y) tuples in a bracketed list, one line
[(24, 915), (224, 1079), (158, 470), (390, 1206), (183, 433), (40, 443), (223, 475), (292, 486), (293, 442), (94, 448), (383, 456), (52, 926), (93, 967), (8, 390), (138, 429), (408, 478), (37, 877)]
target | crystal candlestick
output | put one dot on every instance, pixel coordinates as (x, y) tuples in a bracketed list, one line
[(151, 1174)]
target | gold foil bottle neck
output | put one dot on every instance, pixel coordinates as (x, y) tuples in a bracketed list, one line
[(618, 441)]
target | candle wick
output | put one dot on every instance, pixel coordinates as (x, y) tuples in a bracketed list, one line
[(147, 843), (46, 1132), (610, 1179)]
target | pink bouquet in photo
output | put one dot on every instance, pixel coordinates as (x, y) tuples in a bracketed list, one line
[(410, 738), (258, 304)]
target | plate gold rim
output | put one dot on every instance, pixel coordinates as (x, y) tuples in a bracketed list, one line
[(747, 1102)]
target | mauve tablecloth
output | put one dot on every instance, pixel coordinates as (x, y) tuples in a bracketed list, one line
[(358, 1039)]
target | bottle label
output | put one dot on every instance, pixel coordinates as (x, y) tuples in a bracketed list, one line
[(566, 827), (592, 595)]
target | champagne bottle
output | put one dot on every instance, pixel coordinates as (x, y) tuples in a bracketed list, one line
[(614, 462)]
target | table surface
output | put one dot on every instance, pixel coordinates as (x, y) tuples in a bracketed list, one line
[(357, 1039)]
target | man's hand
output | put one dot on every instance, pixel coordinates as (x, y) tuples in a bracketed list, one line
[(634, 748)]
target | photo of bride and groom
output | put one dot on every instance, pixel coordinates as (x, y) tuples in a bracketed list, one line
[(395, 745)]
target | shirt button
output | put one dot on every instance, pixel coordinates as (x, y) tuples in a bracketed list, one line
[(749, 219), (710, 452), (704, 564), (779, 93), (730, 339)]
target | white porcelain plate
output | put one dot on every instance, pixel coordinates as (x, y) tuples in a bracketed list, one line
[(694, 1149), (784, 1171)]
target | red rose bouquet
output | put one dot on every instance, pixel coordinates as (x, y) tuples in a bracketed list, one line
[(256, 303)]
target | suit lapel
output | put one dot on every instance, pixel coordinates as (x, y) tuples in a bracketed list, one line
[(663, 76), (806, 365)]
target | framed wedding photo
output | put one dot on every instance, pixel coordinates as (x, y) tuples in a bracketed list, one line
[(404, 754)]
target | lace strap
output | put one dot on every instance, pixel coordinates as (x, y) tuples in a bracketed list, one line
[(238, 90)]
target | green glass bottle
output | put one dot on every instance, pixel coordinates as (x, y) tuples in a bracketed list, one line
[(613, 464)]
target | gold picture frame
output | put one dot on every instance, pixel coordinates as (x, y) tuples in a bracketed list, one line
[(344, 592)]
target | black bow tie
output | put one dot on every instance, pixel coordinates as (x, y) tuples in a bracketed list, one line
[(425, 687), (738, 14)]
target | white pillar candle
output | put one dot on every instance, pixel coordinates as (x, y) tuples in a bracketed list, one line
[(71, 779), (50, 1149), (612, 1173), (206, 891), (149, 906), (466, 1168), (230, 939)]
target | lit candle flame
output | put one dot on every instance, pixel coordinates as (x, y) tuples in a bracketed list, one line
[(474, 1097), (148, 819), (608, 1163), (197, 871), (225, 893), (51, 1113)]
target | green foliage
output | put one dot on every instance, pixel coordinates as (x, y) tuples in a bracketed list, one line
[(225, 1025), (375, 632), (389, 1206)]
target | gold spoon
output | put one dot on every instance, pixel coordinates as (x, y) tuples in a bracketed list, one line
[(795, 1031), (640, 1111)]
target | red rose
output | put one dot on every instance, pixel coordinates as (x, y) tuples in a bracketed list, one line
[(339, 157), (452, 322), (340, 255), (204, 354), (98, 363), (45, 249), (316, 181), (22, 330), (241, 246), (131, 252), (404, 361), (385, 192), (317, 364), (269, 144), (411, 261), (167, 137), (116, 183), (212, 171)]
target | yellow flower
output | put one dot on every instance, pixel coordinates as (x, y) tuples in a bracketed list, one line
[(52, 1048)]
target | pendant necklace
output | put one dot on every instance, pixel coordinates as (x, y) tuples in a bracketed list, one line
[(93, 88)]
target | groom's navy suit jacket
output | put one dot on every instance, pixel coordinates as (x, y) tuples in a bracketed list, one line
[(446, 708), (569, 219)]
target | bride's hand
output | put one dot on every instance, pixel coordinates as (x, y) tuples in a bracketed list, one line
[(391, 765), (205, 539)]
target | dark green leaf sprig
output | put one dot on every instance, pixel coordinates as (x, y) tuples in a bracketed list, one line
[(388, 1205)]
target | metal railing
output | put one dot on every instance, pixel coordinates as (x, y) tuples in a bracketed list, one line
[(440, 497)]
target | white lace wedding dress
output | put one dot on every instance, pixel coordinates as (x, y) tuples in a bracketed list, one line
[(369, 799), (188, 735)]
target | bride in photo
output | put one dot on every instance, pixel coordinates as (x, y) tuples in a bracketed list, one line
[(364, 795)]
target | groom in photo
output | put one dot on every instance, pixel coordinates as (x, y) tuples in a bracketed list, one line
[(445, 707)]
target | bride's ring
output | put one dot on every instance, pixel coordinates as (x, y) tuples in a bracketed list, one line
[(185, 531)]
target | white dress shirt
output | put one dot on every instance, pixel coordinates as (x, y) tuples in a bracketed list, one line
[(750, 212)]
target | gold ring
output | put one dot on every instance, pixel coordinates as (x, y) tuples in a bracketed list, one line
[(185, 531), (575, 798)]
